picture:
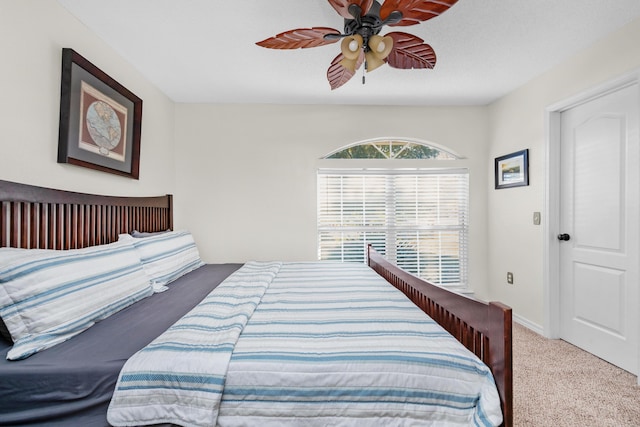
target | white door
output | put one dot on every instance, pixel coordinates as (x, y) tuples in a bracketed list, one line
[(599, 222)]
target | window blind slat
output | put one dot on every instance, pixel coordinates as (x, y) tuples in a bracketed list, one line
[(419, 220)]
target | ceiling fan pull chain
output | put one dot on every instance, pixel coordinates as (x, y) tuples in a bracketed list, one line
[(364, 72)]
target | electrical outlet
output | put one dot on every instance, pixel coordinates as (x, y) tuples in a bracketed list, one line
[(510, 278)]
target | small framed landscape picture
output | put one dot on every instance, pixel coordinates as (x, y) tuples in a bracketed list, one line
[(100, 120), (512, 170)]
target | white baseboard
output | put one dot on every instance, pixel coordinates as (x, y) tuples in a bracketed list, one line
[(528, 324)]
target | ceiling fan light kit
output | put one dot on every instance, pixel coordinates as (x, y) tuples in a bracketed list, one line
[(361, 42), (378, 49)]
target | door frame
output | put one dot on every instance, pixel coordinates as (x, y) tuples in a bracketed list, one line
[(550, 243)]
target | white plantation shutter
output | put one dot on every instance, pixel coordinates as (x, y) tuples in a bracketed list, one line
[(417, 219)]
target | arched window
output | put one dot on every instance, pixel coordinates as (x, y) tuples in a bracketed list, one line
[(391, 149), (418, 218)]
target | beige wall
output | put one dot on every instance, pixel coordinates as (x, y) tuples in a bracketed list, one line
[(246, 174), (32, 35), (517, 121)]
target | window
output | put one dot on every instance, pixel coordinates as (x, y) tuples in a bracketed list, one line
[(418, 219), (391, 149)]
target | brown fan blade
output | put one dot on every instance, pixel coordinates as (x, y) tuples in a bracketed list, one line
[(339, 75), (300, 38), (342, 6), (415, 11), (409, 52)]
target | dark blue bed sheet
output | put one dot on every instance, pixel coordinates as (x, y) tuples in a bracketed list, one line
[(71, 384)]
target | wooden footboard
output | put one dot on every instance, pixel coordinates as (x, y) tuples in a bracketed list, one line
[(43, 218), (483, 328)]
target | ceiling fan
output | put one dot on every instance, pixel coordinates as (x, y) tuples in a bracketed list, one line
[(361, 39)]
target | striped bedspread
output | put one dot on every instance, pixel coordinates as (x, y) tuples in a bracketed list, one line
[(179, 377), (329, 344)]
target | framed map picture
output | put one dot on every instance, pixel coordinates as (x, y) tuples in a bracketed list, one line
[(512, 170), (100, 120)]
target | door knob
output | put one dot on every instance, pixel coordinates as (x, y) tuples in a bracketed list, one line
[(564, 237)]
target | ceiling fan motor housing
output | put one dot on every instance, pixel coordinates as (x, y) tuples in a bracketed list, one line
[(369, 24)]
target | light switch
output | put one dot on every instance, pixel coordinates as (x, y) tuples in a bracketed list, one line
[(536, 218)]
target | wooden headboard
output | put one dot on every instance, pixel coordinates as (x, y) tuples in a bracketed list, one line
[(35, 217)]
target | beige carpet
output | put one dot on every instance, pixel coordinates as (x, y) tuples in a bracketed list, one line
[(557, 384)]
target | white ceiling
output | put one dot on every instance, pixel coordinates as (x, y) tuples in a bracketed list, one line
[(203, 51)]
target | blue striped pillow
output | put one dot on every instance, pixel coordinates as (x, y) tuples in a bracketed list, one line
[(48, 296), (166, 256)]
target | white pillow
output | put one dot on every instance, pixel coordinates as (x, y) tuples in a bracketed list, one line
[(49, 296), (166, 256)]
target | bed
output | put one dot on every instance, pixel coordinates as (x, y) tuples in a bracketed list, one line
[(89, 365)]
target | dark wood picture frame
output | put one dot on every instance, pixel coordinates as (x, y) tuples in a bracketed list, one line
[(512, 170), (100, 120)]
